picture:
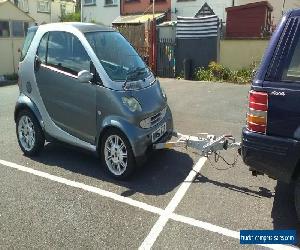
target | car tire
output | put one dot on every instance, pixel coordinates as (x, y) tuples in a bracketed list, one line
[(30, 135), (297, 197), (117, 155)]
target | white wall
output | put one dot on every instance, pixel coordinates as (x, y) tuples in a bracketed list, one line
[(37, 16), (55, 13), (101, 14), (9, 56), (277, 5), (190, 8)]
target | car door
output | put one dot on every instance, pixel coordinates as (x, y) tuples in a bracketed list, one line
[(70, 104), (283, 84)]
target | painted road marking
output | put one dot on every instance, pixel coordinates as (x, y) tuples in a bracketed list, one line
[(165, 216), (141, 205), (85, 187), (223, 231)]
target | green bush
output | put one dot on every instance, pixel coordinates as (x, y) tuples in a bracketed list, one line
[(203, 74), (180, 75), (218, 73)]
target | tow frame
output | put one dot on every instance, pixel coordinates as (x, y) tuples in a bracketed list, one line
[(205, 144)]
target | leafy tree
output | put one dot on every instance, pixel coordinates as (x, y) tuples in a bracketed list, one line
[(72, 17)]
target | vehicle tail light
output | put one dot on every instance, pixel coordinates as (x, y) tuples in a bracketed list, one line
[(258, 112)]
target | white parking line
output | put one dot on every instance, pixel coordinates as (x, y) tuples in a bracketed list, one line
[(85, 187), (167, 213), (223, 231), (163, 219)]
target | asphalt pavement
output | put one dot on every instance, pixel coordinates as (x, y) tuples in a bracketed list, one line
[(64, 199)]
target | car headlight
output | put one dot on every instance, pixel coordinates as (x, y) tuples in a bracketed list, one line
[(132, 104)]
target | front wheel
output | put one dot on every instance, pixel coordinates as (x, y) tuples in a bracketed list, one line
[(29, 132), (117, 154)]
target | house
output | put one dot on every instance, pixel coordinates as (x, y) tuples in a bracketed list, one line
[(13, 27), (279, 7), (46, 11), (196, 8), (100, 11)]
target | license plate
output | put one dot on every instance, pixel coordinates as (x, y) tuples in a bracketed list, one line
[(159, 132)]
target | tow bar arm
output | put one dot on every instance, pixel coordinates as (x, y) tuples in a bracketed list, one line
[(205, 144)]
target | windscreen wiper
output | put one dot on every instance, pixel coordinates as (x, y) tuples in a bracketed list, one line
[(131, 74)]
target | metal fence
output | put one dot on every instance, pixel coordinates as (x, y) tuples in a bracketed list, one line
[(166, 58)]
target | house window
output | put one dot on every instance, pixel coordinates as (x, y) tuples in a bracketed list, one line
[(111, 2), (23, 5), (43, 6), (17, 28), (4, 29), (89, 2)]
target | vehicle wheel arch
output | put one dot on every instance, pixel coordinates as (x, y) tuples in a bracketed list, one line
[(105, 130), (25, 103)]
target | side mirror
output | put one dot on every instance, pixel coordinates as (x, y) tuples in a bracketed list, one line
[(84, 76)]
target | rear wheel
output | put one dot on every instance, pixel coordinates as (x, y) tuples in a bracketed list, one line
[(117, 154), (29, 133)]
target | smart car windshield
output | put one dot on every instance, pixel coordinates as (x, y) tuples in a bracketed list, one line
[(119, 59)]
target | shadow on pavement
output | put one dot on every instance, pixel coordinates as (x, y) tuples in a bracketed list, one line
[(283, 211), (164, 170), (263, 192)]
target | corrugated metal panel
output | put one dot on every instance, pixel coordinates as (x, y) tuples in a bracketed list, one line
[(191, 27)]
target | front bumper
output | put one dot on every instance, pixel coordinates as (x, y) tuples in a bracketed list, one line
[(142, 142), (274, 156)]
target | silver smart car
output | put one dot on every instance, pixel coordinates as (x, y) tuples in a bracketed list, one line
[(85, 85)]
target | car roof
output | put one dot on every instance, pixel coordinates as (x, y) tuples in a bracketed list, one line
[(83, 27)]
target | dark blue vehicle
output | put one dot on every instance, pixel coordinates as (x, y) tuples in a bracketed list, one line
[(271, 139)]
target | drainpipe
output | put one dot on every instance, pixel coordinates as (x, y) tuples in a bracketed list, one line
[(121, 7), (283, 6), (81, 11), (153, 9)]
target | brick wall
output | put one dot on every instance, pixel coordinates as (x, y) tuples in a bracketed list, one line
[(141, 6)]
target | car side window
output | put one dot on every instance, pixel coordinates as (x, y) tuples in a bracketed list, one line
[(42, 49), (284, 64), (27, 42), (291, 71), (66, 53)]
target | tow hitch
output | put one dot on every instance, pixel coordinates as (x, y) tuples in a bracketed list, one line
[(205, 144)]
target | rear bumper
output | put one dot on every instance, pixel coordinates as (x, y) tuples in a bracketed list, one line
[(274, 156)]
